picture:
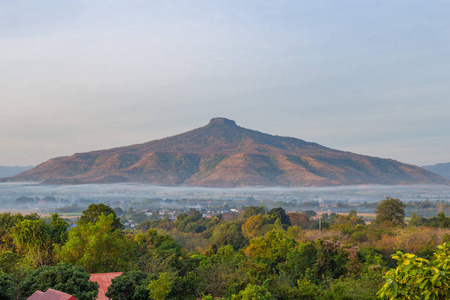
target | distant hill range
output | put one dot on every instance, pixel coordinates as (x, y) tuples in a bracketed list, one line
[(10, 171), (442, 169), (222, 154)]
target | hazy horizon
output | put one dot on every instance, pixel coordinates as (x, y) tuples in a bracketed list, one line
[(141, 191)]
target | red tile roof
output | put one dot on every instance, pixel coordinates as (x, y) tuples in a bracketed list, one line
[(104, 281), (51, 294)]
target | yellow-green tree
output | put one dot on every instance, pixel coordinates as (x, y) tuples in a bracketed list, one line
[(254, 226), (34, 242), (98, 247), (418, 278)]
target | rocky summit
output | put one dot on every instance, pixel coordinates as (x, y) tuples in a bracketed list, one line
[(223, 154)]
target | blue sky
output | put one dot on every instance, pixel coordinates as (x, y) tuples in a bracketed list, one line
[(370, 77)]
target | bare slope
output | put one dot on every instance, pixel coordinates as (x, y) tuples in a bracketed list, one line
[(224, 154)]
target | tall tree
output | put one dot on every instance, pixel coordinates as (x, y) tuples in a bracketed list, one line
[(253, 211), (34, 242), (93, 213), (390, 212), (279, 213), (98, 247)]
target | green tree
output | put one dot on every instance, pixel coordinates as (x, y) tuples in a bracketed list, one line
[(279, 213), (93, 213), (415, 220), (160, 288), (34, 241), (229, 234), (129, 286), (253, 211), (347, 224), (73, 280), (443, 221), (390, 212), (254, 226), (220, 273), (253, 292), (98, 247), (299, 262), (6, 287), (264, 254), (418, 278)]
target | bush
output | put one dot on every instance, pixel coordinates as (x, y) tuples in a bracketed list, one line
[(73, 280)]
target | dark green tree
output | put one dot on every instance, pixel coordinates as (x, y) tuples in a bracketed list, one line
[(6, 287), (229, 234), (73, 280), (279, 213), (129, 286), (93, 213), (390, 212), (58, 230), (442, 220), (253, 211)]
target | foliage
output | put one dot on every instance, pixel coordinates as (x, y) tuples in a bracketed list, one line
[(250, 211), (299, 263), (184, 287), (73, 280), (279, 213), (98, 247), (347, 224), (418, 278), (440, 221), (6, 287), (160, 288), (265, 254), (346, 261), (7, 223), (229, 234), (94, 211), (35, 239), (220, 273), (191, 222), (335, 260), (253, 292), (300, 219), (390, 212), (350, 289), (254, 226), (129, 286)]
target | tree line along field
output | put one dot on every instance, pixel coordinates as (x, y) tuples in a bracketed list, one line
[(258, 254)]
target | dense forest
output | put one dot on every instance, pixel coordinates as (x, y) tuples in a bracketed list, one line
[(256, 253)]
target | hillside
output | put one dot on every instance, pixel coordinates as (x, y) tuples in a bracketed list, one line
[(222, 154), (442, 169)]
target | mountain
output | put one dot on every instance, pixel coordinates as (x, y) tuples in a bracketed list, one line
[(222, 154), (6, 171), (442, 169)]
